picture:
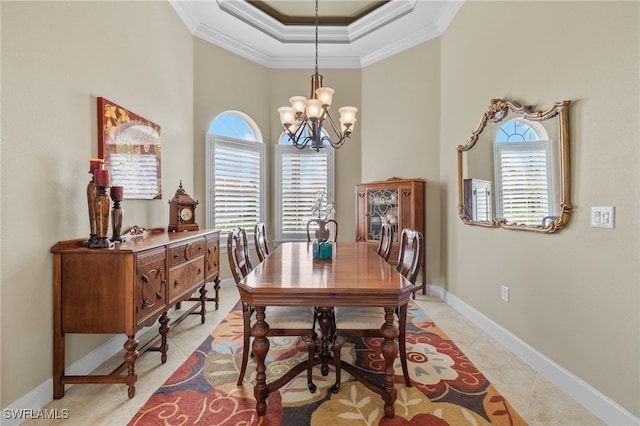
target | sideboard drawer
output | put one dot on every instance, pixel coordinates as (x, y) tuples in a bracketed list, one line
[(182, 253), (185, 279)]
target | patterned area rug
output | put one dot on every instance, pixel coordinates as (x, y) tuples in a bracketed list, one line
[(447, 388)]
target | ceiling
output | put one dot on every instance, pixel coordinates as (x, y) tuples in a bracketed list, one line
[(351, 34)]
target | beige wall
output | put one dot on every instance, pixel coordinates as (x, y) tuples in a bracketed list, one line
[(57, 58), (401, 131), (574, 295), (224, 81)]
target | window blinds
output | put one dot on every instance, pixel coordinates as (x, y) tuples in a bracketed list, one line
[(237, 184), (302, 175), (524, 181)]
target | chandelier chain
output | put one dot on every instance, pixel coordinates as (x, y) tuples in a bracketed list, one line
[(316, 36)]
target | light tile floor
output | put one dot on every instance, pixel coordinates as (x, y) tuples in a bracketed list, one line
[(536, 399)]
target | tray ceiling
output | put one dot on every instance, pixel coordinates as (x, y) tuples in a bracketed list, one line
[(351, 34)]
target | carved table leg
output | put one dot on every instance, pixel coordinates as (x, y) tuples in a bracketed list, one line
[(311, 344), (260, 347), (203, 304), (130, 359), (164, 329), (389, 351), (324, 320), (338, 341)]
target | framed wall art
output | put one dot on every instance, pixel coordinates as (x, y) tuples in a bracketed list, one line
[(130, 147)]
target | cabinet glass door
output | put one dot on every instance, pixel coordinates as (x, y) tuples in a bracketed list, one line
[(383, 207)]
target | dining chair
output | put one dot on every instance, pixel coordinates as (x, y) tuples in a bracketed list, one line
[(260, 237), (282, 320), (386, 240), (322, 228), (366, 321)]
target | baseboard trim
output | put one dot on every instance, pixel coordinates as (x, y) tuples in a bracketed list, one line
[(18, 411), (597, 403)]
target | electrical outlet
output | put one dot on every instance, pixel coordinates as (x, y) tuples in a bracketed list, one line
[(505, 293), (602, 217)]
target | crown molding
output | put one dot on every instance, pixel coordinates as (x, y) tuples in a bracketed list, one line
[(329, 33)]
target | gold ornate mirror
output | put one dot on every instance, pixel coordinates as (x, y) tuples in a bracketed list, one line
[(514, 171)]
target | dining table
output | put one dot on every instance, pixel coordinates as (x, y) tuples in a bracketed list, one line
[(353, 276)]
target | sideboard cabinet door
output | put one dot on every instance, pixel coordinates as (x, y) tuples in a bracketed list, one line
[(151, 299)]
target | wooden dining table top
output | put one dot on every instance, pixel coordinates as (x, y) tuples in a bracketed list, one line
[(355, 275)]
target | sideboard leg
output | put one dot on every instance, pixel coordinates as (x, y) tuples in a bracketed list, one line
[(130, 359), (58, 335), (203, 304), (58, 364), (164, 329)]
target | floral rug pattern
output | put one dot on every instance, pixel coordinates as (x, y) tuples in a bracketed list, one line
[(447, 388)]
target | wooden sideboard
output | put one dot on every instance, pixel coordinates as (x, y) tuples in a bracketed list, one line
[(125, 288)]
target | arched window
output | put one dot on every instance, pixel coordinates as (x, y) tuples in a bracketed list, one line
[(525, 183), (236, 177), (301, 175), (236, 125)]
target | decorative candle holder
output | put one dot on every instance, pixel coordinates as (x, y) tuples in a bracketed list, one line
[(117, 195), (94, 164), (102, 208)]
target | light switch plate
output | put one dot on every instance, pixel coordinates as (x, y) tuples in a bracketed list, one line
[(603, 217)]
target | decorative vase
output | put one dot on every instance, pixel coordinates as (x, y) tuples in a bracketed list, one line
[(94, 164), (101, 208)]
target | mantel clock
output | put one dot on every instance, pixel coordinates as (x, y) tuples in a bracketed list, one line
[(182, 212)]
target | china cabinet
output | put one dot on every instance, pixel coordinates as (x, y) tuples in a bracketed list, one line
[(477, 200), (399, 202)]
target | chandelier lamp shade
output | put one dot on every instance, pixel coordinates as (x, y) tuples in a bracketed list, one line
[(311, 114)]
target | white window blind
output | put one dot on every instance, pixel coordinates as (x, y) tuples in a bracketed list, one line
[(525, 181), (236, 177), (302, 174)]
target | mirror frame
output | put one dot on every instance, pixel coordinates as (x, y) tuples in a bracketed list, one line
[(497, 111)]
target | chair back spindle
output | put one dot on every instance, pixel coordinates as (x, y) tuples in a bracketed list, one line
[(238, 252), (262, 244), (410, 254), (386, 240)]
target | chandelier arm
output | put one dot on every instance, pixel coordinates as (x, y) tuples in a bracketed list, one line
[(337, 144), (301, 145), (334, 127), (301, 123), (296, 137)]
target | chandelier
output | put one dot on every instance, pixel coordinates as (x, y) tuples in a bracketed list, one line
[(310, 114)]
